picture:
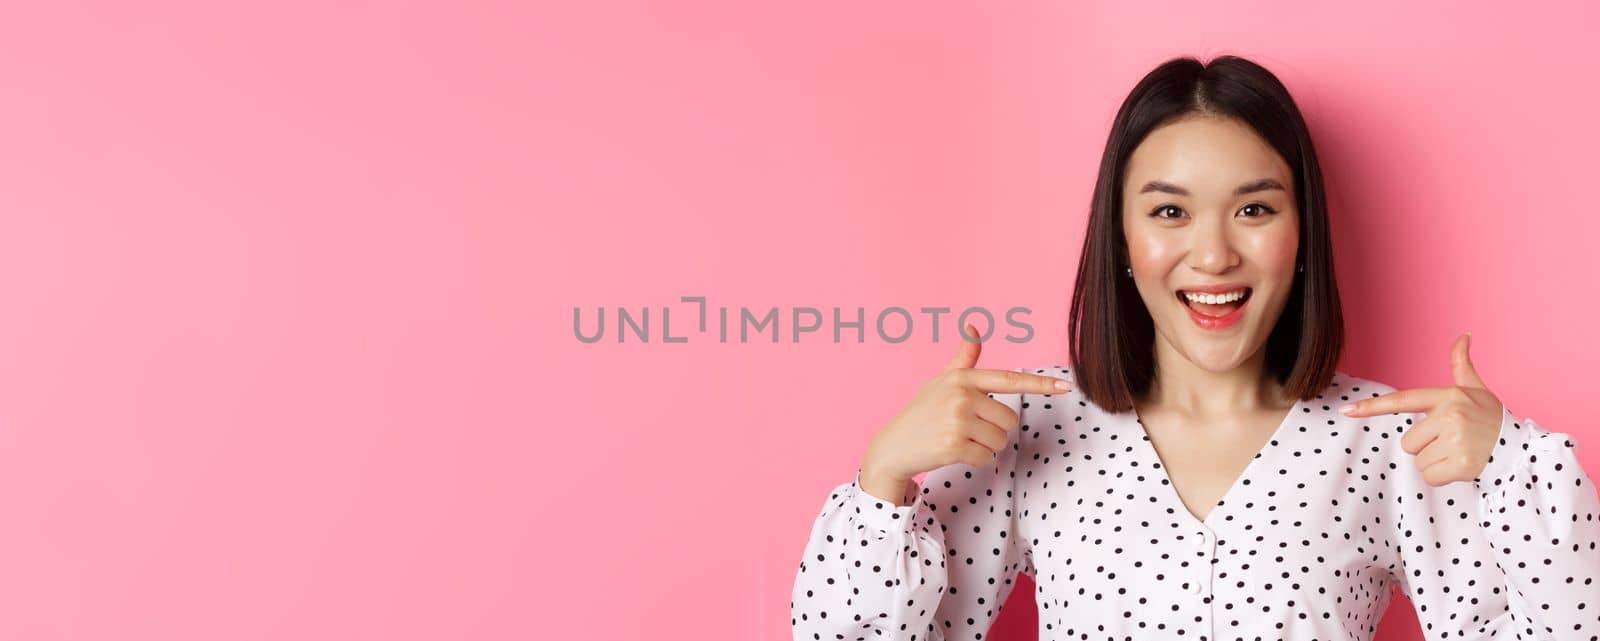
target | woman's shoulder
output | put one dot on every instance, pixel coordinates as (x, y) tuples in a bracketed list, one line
[(1345, 386), (1381, 431), (1070, 402), (1348, 388), (1061, 371), (1047, 420)]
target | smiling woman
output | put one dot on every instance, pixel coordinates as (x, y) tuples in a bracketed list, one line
[(1195, 479), (1223, 194)]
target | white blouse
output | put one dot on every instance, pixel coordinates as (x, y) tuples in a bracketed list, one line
[(1304, 545)]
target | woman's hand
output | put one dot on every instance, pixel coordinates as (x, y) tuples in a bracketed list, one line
[(1462, 426), (950, 420)]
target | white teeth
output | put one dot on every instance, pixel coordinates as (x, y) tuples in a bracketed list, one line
[(1215, 299)]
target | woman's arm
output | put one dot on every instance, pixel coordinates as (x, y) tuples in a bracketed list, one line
[(937, 568), (1516, 551)]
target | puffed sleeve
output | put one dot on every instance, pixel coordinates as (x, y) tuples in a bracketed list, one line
[(939, 568), (1515, 553)]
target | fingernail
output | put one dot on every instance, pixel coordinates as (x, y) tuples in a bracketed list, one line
[(1347, 410), (1063, 385)]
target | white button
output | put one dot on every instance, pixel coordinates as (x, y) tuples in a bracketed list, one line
[(1194, 588)]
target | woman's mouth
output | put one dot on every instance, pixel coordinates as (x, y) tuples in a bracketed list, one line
[(1215, 311)]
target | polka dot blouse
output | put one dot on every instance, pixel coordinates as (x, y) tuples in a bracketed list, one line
[(1305, 545)]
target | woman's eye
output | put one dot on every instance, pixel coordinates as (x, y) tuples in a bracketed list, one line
[(1259, 210), (1258, 207), (1158, 210)]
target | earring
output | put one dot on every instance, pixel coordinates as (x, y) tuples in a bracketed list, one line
[(1130, 271), (1301, 268)]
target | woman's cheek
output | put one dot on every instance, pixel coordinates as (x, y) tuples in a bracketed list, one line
[(1149, 255), (1277, 247)]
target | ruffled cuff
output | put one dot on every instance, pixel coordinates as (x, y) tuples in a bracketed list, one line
[(1509, 452), (884, 515)]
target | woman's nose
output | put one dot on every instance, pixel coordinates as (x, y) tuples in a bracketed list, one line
[(1212, 250)]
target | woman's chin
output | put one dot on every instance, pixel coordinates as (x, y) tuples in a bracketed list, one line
[(1217, 353), (1213, 360)]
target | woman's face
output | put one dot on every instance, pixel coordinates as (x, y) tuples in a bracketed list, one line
[(1206, 201)]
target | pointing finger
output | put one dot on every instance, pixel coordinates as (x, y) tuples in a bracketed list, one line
[(1014, 382), (1421, 399)]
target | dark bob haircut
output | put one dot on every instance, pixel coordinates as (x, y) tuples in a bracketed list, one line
[(1111, 334)]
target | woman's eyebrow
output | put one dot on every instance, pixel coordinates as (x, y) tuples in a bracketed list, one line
[(1260, 185), (1251, 187)]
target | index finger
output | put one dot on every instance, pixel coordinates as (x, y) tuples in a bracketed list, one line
[(1422, 399), (1013, 382)]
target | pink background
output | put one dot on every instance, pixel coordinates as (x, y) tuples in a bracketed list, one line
[(288, 346)]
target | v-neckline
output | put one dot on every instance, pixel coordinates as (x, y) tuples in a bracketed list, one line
[(1176, 499)]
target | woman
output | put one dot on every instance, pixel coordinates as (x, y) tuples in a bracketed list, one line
[(1195, 479)]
